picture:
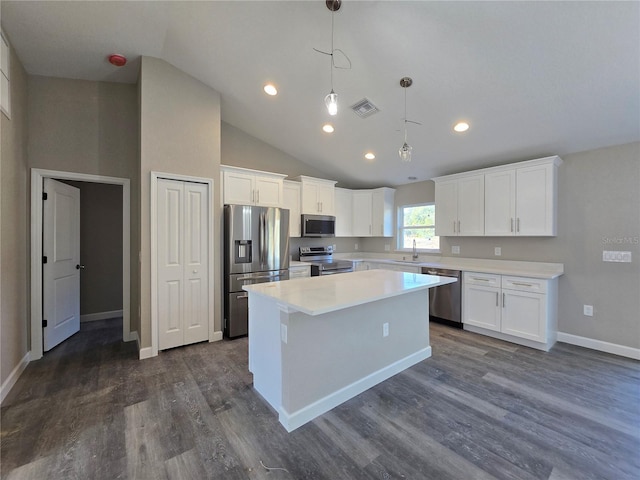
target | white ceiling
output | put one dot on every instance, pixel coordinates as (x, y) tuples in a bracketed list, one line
[(532, 78)]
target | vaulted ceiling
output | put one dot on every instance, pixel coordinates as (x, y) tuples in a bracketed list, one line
[(531, 78)]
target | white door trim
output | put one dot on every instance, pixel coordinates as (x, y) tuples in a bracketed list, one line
[(213, 336), (37, 177)]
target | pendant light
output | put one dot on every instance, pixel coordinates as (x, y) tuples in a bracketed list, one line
[(406, 149), (331, 100)]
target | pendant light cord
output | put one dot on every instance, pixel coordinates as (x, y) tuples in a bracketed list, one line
[(405, 114), (333, 13)]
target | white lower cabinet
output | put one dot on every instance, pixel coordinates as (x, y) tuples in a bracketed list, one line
[(517, 309)]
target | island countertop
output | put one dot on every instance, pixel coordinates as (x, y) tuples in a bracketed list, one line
[(329, 293)]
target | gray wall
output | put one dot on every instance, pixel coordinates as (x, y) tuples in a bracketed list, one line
[(14, 222), (100, 247), (239, 149), (88, 127), (179, 133), (598, 209)]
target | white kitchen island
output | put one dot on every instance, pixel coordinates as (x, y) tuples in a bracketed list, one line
[(317, 342)]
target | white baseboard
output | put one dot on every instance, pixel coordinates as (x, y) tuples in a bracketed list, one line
[(607, 347), (92, 317), (216, 337), (13, 377), (143, 353), (291, 421)]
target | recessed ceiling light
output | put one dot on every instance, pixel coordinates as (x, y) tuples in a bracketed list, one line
[(369, 156), (270, 89), (461, 127), (327, 127)]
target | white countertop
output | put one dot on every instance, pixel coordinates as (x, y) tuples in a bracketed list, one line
[(295, 263), (328, 293), (479, 265)]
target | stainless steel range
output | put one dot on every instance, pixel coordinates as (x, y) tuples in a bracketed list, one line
[(322, 262)]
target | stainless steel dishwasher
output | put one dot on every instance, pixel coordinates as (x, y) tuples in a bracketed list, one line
[(445, 302)]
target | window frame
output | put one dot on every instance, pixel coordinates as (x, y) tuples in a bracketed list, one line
[(400, 227)]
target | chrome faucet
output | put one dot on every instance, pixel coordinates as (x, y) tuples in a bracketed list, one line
[(414, 256)]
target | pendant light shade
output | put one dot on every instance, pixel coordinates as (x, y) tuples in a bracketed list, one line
[(405, 152), (331, 101)]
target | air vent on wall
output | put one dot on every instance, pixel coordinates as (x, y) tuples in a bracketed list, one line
[(364, 108)]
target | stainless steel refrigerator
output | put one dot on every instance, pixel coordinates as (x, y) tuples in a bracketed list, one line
[(256, 250)]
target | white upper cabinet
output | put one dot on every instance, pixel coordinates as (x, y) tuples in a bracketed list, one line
[(522, 201), (292, 202), (517, 199), (242, 186), (460, 206), (362, 213), (500, 203), (373, 212), (344, 212), (318, 196), (382, 212)]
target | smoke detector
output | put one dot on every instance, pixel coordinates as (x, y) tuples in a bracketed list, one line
[(364, 108)]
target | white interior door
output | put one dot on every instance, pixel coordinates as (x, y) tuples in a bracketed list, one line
[(183, 249), (61, 272)]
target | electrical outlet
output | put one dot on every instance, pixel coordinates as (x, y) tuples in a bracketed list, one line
[(387, 247), (455, 249), (497, 251), (356, 247), (615, 256), (588, 310), (385, 329)]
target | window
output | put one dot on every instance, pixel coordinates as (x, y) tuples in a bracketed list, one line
[(417, 222)]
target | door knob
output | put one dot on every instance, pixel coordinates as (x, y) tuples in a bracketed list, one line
[(78, 267)]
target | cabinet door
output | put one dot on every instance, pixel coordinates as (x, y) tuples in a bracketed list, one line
[(382, 212), (362, 213), (500, 203), (446, 208), (343, 212), (239, 188), (524, 315), (310, 203), (481, 307), (470, 206), (535, 200), (326, 199), (269, 191), (291, 197)]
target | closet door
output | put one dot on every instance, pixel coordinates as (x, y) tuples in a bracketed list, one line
[(182, 256)]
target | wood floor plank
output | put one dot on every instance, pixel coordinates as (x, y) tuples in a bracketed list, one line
[(479, 408)]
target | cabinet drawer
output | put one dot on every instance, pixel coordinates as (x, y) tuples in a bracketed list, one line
[(524, 284), (486, 279)]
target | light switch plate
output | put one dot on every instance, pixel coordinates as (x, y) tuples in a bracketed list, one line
[(385, 329), (455, 249), (588, 310), (283, 332)]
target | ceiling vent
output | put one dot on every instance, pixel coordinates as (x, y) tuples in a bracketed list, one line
[(364, 108)]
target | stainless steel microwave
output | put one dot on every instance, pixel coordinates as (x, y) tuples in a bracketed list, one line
[(318, 226)]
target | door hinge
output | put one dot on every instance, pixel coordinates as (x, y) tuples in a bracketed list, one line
[(44, 195), (44, 323), (44, 259)]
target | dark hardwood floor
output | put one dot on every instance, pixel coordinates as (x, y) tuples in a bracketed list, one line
[(478, 409)]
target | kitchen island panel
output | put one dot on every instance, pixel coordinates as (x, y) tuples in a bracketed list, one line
[(305, 365)]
